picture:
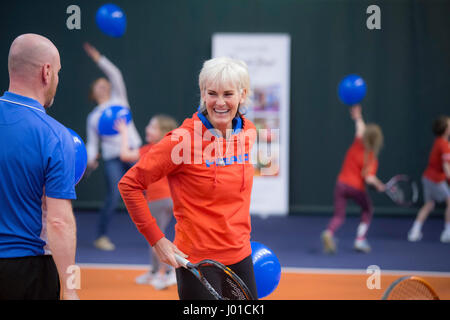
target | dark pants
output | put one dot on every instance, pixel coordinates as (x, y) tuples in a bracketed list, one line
[(114, 171), (342, 193), (29, 278), (190, 288)]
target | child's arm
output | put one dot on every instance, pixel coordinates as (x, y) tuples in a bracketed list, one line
[(446, 166), (126, 154), (374, 181), (356, 114)]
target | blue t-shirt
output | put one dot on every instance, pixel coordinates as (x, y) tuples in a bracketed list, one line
[(36, 151)]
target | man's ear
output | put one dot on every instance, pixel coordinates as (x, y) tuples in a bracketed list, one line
[(46, 73)]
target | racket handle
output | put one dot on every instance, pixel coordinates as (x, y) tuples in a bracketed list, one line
[(184, 262)]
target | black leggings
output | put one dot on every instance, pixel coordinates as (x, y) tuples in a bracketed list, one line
[(190, 288)]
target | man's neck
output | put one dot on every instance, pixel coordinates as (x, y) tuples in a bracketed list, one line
[(27, 92)]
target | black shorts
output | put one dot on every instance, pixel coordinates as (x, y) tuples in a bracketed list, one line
[(29, 278), (190, 288)]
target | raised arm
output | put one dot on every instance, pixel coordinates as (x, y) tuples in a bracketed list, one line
[(92, 52), (356, 115), (114, 75)]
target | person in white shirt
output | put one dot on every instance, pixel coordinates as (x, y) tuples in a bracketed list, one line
[(106, 92)]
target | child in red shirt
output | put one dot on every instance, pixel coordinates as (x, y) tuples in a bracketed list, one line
[(359, 168), (435, 187), (157, 194)]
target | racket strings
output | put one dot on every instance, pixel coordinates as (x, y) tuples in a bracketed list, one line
[(397, 194), (222, 282), (402, 192), (411, 289), (231, 288)]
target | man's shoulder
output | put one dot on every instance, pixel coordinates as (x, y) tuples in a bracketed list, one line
[(53, 127)]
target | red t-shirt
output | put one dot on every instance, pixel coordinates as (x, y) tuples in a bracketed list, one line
[(159, 189), (440, 153), (210, 191), (352, 169)]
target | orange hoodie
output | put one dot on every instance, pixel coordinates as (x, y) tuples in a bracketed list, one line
[(210, 181)]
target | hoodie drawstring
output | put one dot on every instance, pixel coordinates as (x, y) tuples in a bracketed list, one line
[(217, 159), (242, 151)]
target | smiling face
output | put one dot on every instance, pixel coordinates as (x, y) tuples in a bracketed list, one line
[(222, 103)]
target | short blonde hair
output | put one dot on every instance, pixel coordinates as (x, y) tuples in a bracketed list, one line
[(224, 70), (166, 123)]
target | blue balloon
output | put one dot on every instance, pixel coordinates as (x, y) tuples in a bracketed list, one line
[(111, 20), (108, 118), (80, 156), (351, 89), (267, 269)]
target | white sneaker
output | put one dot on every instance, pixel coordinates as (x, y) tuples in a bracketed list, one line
[(162, 281), (103, 243), (145, 278), (414, 235), (445, 236), (362, 245), (159, 281), (171, 278), (329, 243)]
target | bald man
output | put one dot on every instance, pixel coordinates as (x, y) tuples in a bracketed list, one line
[(37, 175)]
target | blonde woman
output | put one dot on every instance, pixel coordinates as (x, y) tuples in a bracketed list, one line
[(211, 185)]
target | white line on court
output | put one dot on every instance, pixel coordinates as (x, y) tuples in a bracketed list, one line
[(363, 271), (285, 269)]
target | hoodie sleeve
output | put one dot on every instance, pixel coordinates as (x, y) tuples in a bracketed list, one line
[(159, 162)]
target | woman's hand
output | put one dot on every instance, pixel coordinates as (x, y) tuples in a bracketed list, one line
[(91, 51), (165, 250)]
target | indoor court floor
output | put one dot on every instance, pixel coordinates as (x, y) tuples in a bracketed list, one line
[(307, 273)]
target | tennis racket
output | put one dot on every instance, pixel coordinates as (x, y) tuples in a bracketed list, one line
[(402, 190), (410, 288), (218, 279)]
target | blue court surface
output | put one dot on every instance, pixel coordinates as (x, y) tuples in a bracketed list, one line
[(295, 240)]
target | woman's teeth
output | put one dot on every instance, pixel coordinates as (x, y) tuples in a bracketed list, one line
[(221, 111)]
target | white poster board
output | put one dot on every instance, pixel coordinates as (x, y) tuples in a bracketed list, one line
[(268, 59)]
